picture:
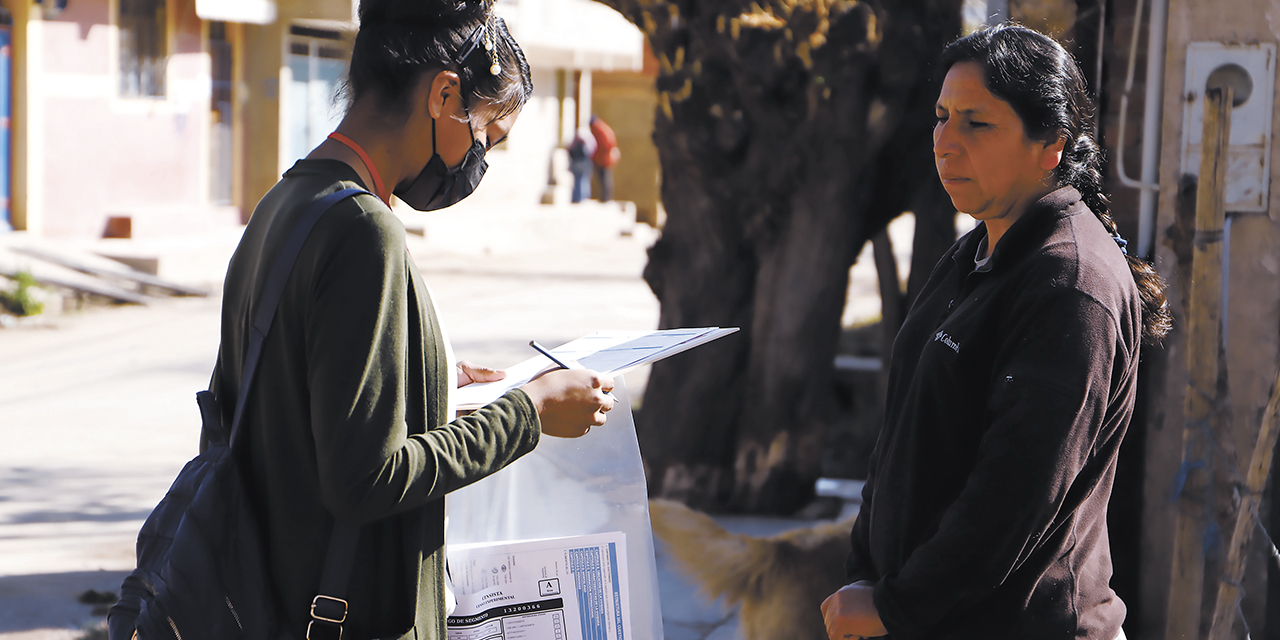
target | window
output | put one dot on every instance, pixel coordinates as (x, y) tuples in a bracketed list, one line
[(144, 47), (317, 62)]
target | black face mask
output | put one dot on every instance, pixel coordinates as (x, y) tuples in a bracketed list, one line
[(438, 186)]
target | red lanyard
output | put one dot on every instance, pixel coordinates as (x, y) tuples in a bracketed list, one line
[(378, 187)]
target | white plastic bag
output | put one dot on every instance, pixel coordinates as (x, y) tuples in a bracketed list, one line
[(567, 487)]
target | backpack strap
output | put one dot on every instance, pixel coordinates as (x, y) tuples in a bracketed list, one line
[(274, 289), (328, 609)]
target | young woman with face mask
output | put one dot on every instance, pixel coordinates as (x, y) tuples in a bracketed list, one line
[(349, 417), (1013, 378)]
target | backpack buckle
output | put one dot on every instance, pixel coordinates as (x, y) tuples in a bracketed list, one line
[(329, 609), (325, 630), (327, 615)]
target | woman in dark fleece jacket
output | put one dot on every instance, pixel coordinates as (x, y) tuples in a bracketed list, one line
[(1013, 378)]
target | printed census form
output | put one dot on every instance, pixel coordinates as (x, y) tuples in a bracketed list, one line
[(572, 588), (609, 352)]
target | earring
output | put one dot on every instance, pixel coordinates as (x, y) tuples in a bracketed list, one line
[(494, 67)]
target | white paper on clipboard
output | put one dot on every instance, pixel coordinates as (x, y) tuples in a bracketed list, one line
[(609, 352), (571, 588)]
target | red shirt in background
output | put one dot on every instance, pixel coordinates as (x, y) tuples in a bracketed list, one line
[(607, 152)]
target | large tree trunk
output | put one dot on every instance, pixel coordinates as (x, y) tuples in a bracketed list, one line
[(789, 132)]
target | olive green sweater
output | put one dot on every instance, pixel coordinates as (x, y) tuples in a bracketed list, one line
[(346, 417)]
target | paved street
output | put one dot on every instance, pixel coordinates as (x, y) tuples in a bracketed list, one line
[(97, 409)]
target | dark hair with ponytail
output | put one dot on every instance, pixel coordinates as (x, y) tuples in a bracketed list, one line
[(399, 40), (1045, 87)]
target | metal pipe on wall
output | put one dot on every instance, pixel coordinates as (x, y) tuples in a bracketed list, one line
[(1151, 121), (1148, 186)]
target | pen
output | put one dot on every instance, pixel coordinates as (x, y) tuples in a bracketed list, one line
[(543, 350)]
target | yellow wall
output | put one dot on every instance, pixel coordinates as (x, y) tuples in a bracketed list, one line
[(259, 102), (626, 101), (24, 216)]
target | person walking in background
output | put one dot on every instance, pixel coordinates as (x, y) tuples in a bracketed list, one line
[(580, 151), (606, 156)]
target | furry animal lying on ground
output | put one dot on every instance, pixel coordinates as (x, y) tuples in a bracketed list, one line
[(780, 581)]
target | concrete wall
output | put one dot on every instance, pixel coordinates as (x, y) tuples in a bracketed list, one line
[(82, 152), (1252, 317)]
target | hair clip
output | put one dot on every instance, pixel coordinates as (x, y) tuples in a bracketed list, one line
[(469, 45), (1121, 242), (481, 35)]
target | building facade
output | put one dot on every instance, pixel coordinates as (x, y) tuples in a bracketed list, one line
[(109, 103), (178, 115)]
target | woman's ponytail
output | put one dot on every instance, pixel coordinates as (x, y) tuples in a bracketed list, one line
[(1081, 168)]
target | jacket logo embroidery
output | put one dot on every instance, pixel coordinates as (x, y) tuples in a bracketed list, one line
[(944, 338)]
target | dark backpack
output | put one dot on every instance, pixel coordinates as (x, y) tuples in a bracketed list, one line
[(202, 572)]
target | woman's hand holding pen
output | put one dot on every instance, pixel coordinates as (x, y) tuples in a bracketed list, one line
[(570, 401)]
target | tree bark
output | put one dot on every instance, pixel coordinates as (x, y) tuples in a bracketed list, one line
[(789, 132), (935, 233)]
